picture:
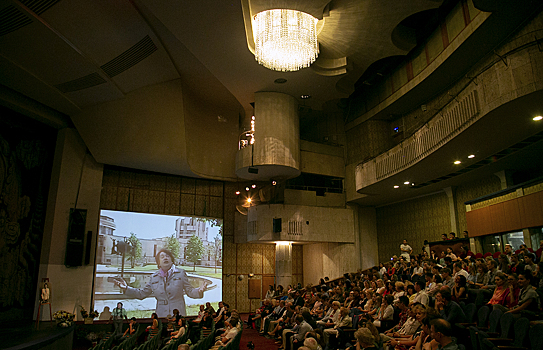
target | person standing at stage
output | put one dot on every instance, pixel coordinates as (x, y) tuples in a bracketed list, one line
[(117, 316), (406, 250)]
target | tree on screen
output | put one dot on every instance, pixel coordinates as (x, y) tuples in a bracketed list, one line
[(217, 250), (134, 250), (172, 244), (195, 250)]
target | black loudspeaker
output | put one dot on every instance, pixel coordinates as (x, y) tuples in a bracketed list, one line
[(276, 225), (88, 248), (76, 237)]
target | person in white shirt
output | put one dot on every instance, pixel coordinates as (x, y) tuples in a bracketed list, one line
[(417, 270), (406, 250), (421, 296), (458, 270)]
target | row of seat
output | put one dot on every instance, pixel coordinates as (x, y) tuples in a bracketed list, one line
[(495, 329)]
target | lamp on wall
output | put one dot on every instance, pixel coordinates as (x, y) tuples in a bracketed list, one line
[(285, 40)]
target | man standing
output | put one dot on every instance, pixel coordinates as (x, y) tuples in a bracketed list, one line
[(117, 316), (406, 250)]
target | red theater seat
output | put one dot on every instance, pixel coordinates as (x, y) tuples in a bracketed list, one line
[(496, 255), (478, 255)]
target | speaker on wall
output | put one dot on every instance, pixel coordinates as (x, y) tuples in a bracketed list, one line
[(76, 237), (277, 225)]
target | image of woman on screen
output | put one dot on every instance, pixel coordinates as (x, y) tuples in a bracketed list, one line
[(168, 285)]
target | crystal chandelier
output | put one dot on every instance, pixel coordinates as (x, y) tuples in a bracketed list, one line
[(285, 40)]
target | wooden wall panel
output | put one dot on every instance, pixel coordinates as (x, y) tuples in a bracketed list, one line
[(531, 209), (512, 215), (497, 217), (255, 290)]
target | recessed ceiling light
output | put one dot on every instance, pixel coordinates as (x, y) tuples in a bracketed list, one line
[(412, 184), (247, 188), (274, 182), (471, 156), (539, 117), (396, 186), (280, 81), (253, 185), (406, 182), (457, 162), (238, 192), (305, 97)]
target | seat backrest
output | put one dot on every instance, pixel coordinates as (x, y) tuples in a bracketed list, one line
[(522, 326), (469, 310), (536, 336), (482, 316), (506, 325), (494, 320)]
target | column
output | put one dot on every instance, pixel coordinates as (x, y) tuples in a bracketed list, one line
[(283, 263)]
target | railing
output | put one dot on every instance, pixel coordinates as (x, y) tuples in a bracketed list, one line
[(456, 117)]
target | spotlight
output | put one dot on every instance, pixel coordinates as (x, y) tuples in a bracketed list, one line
[(249, 200), (238, 192), (253, 185), (406, 182), (247, 188), (537, 118), (396, 186), (471, 156), (457, 162), (274, 182)]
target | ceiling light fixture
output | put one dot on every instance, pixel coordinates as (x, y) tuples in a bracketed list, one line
[(285, 40), (396, 186), (539, 117), (406, 182), (457, 162), (253, 185), (238, 192), (471, 156)]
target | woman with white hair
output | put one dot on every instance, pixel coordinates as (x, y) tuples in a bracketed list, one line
[(364, 339)]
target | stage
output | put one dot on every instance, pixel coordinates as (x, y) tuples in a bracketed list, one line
[(23, 335)]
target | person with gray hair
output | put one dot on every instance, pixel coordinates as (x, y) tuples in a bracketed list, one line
[(311, 343), (365, 339)]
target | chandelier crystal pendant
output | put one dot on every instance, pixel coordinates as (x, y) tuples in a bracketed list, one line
[(285, 40)]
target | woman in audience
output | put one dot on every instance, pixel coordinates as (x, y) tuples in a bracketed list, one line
[(153, 330), (459, 292), (385, 313), (528, 302), (380, 286), (451, 255), (364, 339), (180, 332), (516, 265), (503, 264), (499, 298), (436, 285), (270, 293), (400, 290), (377, 301)]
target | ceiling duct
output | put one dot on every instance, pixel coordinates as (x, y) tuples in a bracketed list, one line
[(134, 55)]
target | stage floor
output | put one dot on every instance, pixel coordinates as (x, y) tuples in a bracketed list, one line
[(23, 335)]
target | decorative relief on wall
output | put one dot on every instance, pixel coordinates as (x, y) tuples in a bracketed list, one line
[(416, 220), (25, 167)]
